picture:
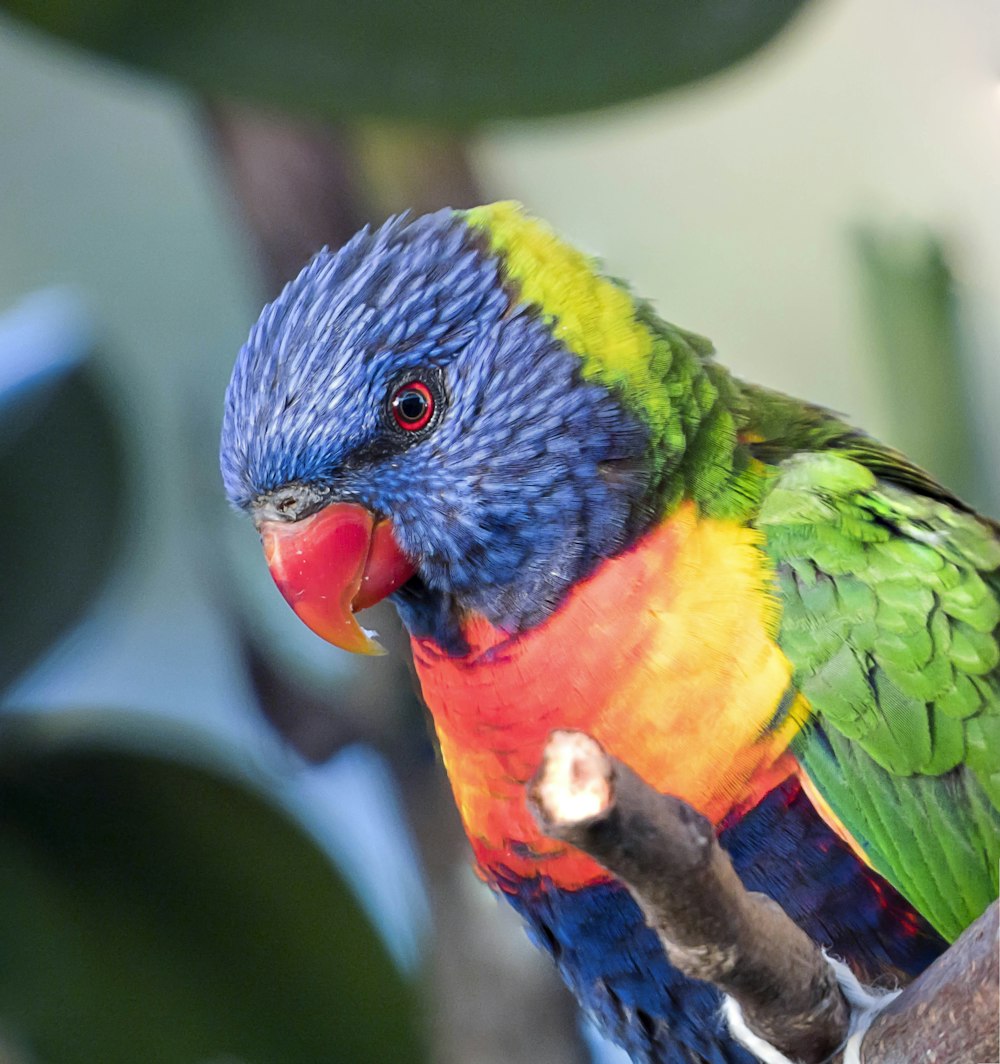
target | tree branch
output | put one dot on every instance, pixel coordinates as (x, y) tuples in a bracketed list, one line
[(715, 930), (711, 927), (950, 1014)]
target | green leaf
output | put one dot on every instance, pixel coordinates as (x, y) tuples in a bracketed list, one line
[(443, 62), (63, 484), (160, 912)]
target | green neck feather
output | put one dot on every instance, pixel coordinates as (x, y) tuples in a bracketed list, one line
[(693, 409)]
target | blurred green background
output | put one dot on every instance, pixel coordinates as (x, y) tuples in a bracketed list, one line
[(221, 840)]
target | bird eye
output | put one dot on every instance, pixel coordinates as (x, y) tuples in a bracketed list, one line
[(412, 406)]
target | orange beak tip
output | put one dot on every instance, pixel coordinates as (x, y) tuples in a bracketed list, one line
[(373, 648)]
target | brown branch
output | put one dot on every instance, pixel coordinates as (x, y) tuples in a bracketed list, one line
[(951, 1013), (297, 182), (711, 927), (715, 930)]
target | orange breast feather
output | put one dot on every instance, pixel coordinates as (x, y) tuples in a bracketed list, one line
[(666, 655)]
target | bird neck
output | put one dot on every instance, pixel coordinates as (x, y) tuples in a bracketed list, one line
[(701, 438), (665, 654), (662, 375), (696, 451)]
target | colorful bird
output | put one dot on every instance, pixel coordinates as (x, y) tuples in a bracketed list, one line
[(586, 522)]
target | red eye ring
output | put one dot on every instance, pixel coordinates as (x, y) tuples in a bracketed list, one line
[(412, 406)]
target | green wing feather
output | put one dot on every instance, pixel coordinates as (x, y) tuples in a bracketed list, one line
[(891, 605)]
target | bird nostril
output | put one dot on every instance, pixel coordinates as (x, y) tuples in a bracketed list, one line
[(290, 502)]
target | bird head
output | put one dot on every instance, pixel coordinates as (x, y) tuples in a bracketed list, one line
[(455, 410)]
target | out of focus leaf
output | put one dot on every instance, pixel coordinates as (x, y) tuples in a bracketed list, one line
[(910, 305), (159, 912), (62, 482), (42, 337), (444, 61)]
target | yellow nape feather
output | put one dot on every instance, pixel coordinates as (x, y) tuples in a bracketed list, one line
[(592, 315)]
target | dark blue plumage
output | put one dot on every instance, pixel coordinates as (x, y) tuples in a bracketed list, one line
[(503, 517), (614, 963)]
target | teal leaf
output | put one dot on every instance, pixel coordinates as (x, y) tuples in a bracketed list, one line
[(442, 62), (167, 912), (62, 479)]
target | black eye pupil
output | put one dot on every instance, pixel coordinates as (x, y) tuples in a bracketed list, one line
[(411, 406)]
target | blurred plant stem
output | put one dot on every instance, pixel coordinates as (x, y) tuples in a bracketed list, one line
[(414, 168), (492, 998), (910, 304), (295, 181)]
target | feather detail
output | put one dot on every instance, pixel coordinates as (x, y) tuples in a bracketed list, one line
[(666, 655), (891, 607)]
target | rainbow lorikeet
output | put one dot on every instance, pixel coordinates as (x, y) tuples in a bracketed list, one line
[(587, 523)]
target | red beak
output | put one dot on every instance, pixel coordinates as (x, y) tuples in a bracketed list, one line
[(332, 563)]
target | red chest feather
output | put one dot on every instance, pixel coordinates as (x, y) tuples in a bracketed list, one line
[(665, 654)]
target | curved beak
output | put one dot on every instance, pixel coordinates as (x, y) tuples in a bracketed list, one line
[(333, 562)]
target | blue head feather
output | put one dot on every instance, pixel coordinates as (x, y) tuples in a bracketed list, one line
[(529, 476)]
